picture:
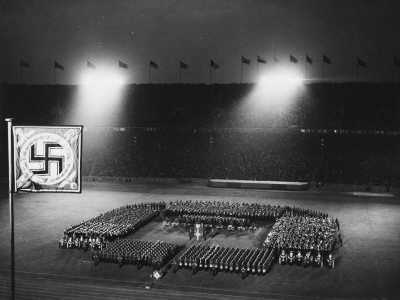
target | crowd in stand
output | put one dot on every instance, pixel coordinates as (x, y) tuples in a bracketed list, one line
[(137, 252), (249, 155), (116, 223), (218, 259), (281, 156), (317, 105)]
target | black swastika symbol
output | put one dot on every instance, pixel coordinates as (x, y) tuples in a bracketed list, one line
[(46, 158)]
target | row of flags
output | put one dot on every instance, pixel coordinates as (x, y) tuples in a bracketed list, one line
[(214, 65)]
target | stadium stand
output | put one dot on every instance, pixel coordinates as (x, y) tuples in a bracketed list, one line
[(332, 132)]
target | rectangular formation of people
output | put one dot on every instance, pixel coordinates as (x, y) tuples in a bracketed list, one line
[(295, 229)]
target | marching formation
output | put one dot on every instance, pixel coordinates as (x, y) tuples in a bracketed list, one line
[(305, 240), (299, 236), (219, 259), (305, 234), (140, 253), (231, 223), (310, 258), (116, 223), (253, 211)]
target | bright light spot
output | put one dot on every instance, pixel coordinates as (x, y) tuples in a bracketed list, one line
[(100, 93), (278, 87), (280, 81), (101, 82)]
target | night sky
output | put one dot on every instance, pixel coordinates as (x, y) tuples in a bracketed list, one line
[(104, 32)]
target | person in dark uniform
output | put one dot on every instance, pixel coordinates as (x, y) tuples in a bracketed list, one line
[(330, 261), (307, 259), (340, 239), (318, 261), (283, 257), (291, 258), (175, 266), (243, 271), (299, 258)]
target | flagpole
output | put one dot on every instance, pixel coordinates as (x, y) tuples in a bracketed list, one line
[(323, 63), (180, 74), (210, 74), (11, 200), (257, 70), (54, 75), (357, 71), (241, 72), (149, 73), (306, 67)]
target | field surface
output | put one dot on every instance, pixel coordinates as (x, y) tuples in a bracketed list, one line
[(367, 266)]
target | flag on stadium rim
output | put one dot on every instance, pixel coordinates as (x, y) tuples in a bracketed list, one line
[(122, 65), (396, 61), (261, 60), (153, 64), (47, 158), (214, 65), (58, 66), (361, 63), (24, 64), (245, 60), (326, 59), (293, 59), (309, 60), (90, 65), (183, 65)]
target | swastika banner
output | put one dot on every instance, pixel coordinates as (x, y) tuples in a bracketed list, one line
[(47, 159)]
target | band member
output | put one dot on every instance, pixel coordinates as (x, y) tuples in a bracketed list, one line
[(190, 233), (340, 240), (330, 262), (291, 258), (318, 262), (194, 267), (95, 257), (307, 259), (61, 243), (69, 243), (299, 258), (120, 261), (243, 272), (85, 244), (175, 266), (283, 257), (76, 242)]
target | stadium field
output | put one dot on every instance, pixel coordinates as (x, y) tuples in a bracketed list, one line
[(367, 265)]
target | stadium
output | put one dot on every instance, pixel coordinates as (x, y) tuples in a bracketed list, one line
[(280, 185)]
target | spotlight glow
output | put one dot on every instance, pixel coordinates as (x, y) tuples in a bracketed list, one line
[(101, 84), (280, 81), (100, 95), (278, 87)]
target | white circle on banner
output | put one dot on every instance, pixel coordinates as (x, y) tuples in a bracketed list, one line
[(65, 151)]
